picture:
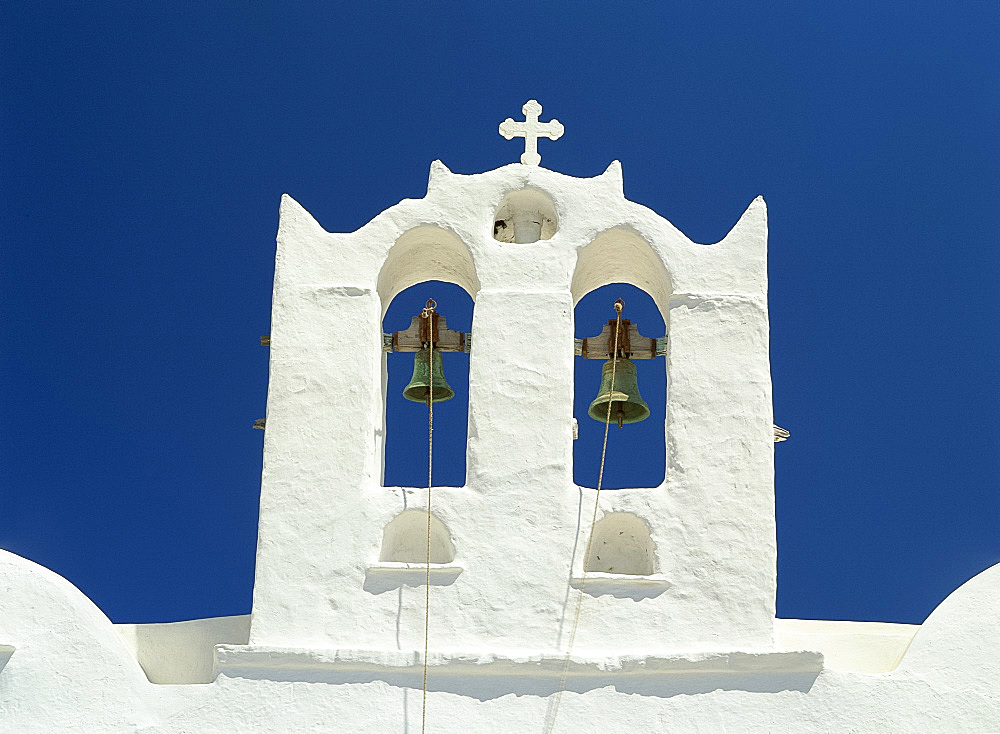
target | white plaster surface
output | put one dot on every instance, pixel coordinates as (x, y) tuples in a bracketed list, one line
[(183, 652), (863, 647), (519, 523), (5, 652), (335, 637)]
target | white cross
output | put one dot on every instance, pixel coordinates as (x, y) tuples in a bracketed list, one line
[(531, 130)]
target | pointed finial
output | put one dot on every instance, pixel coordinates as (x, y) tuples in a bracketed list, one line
[(531, 129)]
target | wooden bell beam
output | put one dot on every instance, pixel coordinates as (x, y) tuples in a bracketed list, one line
[(631, 343), (414, 337)]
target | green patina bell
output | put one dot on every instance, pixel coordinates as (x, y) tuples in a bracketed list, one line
[(419, 388), (627, 406)]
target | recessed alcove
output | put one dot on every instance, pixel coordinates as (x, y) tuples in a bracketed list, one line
[(620, 544), (621, 561), (426, 253), (404, 539), (525, 216), (403, 556)]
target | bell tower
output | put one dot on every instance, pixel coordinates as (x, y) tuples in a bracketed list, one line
[(688, 564)]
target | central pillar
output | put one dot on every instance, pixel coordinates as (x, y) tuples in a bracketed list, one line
[(521, 392)]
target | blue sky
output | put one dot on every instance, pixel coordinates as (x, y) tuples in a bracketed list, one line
[(144, 151)]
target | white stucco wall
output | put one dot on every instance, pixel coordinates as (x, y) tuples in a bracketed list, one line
[(517, 520), (861, 647), (183, 652), (334, 639), (71, 672)]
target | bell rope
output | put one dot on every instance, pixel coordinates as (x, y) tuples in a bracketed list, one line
[(554, 709), (428, 313)]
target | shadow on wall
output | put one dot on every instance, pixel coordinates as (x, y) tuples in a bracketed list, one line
[(499, 683)]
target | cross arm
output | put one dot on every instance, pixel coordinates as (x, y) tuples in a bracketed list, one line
[(553, 129), (509, 128)]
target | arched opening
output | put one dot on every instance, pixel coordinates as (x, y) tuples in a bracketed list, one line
[(404, 539), (636, 453), (622, 255), (425, 262), (406, 425), (525, 216), (426, 253), (621, 544)]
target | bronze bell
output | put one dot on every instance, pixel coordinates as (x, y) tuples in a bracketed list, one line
[(627, 406), (419, 388)]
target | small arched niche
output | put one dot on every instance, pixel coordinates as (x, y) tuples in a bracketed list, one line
[(404, 539), (525, 216), (621, 544)]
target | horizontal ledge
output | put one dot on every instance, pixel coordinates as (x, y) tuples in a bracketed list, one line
[(421, 490), (624, 579), (256, 661), (403, 568), (5, 652)]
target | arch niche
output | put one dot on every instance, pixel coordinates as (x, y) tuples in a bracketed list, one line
[(425, 262), (621, 544), (426, 252), (622, 255), (525, 216), (404, 539), (621, 263)]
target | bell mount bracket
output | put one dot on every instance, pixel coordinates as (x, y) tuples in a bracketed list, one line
[(419, 333), (631, 344)]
